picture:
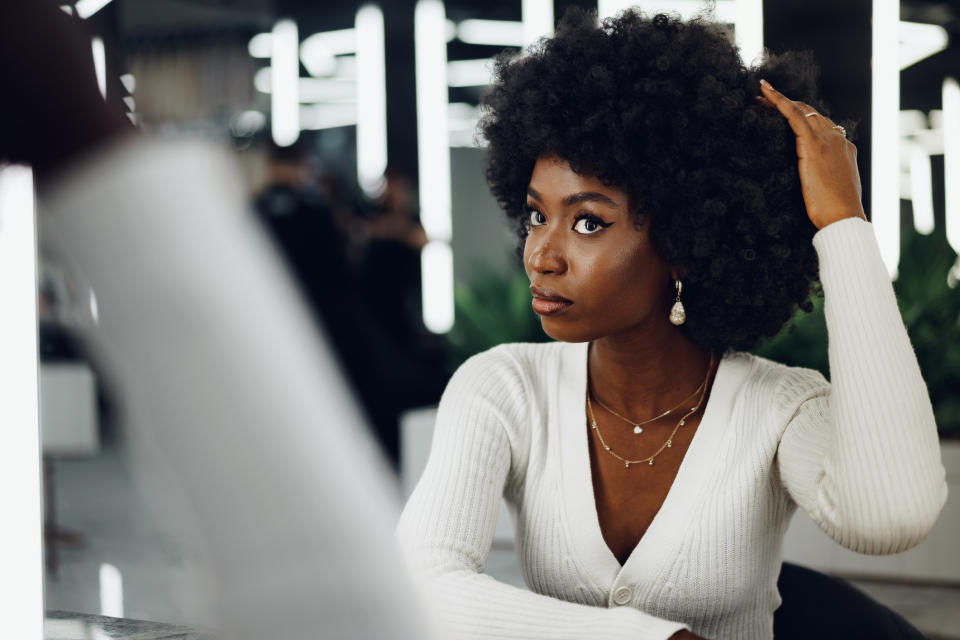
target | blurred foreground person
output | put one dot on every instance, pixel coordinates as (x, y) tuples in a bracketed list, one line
[(240, 425)]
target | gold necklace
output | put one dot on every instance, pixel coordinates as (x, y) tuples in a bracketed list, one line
[(665, 445), (636, 425)]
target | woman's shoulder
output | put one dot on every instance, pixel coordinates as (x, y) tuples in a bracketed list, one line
[(524, 358), (509, 371), (784, 385)]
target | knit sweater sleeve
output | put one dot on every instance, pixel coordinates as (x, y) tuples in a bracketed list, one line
[(860, 454), (447, 527)]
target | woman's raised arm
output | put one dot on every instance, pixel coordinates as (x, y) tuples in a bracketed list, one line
[(860, 455)]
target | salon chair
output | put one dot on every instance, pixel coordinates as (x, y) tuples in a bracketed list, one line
[(821, 607)]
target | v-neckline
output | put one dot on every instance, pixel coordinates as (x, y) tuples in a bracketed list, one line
[(577, 482)]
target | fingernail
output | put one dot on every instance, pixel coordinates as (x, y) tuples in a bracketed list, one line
[(766, 84)]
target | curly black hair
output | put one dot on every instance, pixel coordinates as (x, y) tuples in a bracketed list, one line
[(664, 109)]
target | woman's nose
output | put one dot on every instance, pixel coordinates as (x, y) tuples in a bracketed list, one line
[(545, 256)]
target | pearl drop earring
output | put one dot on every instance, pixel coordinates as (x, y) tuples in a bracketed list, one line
[(677, 313)]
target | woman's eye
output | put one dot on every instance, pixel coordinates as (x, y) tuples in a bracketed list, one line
[(536, 218), (589, 224)]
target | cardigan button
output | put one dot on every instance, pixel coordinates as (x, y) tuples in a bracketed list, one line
[(622, 595)]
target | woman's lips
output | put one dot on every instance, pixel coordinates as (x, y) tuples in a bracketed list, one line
[(547, 302), (549, 307)]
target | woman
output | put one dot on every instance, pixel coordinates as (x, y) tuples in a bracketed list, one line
[(671, 220)]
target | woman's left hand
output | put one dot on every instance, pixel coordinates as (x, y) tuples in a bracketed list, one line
[(829, 178)]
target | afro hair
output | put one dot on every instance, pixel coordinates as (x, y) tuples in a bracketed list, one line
[(664, 109)]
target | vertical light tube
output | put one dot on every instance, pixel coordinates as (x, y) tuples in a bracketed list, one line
[(100, 64), (433, 141), (432, 135), (748, 30), (111, 591), (371, 99), (284, 76), (86, 8), (537, 20), (951, 159), (921, 189), (21, 585), (885, 139), (436, 264)]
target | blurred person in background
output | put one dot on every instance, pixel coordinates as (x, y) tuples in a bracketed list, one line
[(369, 308), (652, 463), (300, 219), (240, 425), (390, 270), (390, 283)]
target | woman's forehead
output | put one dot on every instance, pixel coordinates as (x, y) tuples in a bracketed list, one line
[(553, 177)]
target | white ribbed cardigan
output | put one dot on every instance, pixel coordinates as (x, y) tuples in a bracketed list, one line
[(860, 455)]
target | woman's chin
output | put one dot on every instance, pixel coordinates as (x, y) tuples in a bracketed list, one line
[(565, 331)]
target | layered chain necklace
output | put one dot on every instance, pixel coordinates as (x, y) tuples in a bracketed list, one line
[(702, 389), (637, 429)]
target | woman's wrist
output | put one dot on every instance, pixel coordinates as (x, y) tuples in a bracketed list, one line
[(854, 214)]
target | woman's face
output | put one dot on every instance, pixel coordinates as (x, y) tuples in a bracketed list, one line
[(593, 272)]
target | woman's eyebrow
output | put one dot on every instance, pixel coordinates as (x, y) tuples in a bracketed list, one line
[(583, 196), (589, 196)]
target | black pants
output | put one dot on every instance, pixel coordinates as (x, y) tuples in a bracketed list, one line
[(817, 606)]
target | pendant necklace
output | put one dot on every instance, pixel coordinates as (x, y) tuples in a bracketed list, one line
[(669, 443), (637, 428)]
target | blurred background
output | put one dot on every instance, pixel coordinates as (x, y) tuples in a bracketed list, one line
[(353, 126)]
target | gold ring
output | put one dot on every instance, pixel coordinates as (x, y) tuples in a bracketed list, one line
[(812, 113)]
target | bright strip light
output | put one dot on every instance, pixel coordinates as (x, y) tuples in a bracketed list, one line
[(327, 116), (462, 120), (336, 42), (284, 98), (328, 90), (885, 153), (100, 64), (310, 90), (260, 46), (921, 189), (86, 8), (94, 307), (951, 159), (433, 142), (748, 30), (919, 40), (436, 265), (470, 73), (21, 587), (111, 591), (537, 20), (319, 51), (500, 33), (371, 100), (432, 136), (726, 10), (129, 82)]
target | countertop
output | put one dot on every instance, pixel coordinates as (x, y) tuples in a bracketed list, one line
[(65, 625)]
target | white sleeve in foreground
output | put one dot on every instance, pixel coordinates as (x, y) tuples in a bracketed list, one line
[(861, 454), (448, 525), (231, 397)]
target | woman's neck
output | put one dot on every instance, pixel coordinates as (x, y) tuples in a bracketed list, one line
[(641, 375)]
